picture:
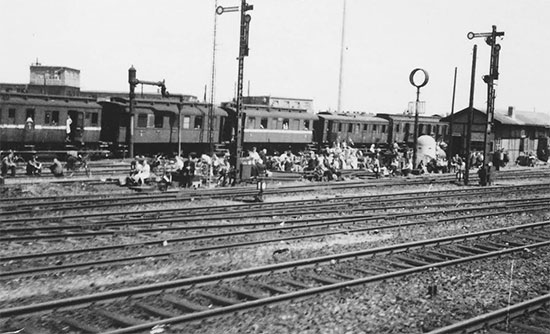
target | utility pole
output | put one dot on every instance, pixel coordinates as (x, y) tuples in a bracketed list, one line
[(470, 117), (341, 59), (243, 52), (450, 148), (490, 39)]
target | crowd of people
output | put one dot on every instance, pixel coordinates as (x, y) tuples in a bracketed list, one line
[(34, 166)]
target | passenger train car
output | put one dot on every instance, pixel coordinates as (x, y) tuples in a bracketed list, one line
[(277, 124), (39, 121)]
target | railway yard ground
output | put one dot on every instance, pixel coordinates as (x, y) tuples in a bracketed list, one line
[(393, 255)]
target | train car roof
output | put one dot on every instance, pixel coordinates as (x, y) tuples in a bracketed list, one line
[(352, 118), (407, 117), (279, 114), (169, 107), (49, 101)]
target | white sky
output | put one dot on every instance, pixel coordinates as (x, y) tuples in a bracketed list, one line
[(294, 48)]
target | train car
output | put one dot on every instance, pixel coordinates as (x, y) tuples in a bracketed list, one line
[(39, 121), (156, 124), (357, 129), (277, 128), (401, 127)]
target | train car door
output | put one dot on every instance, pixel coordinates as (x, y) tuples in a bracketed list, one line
[(77, 125)]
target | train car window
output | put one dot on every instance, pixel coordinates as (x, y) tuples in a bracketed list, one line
[(251, 122), (357, 128), (306, 124), (55, 117), (420, 129), (11, 116), (383, 128), (365, 127), (47, 117), (339, 127), (429, 129), (397, 128), (142, 121), (407, 128), (88, 115), (350, 127), (263, 123), (186, 120), (198, 122), (159, 121), (150, 120), (374, 128), (436, 129), (95, 118), (285, 124), (30, 114)]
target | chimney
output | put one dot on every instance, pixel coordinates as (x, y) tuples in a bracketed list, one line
[(511, 111)]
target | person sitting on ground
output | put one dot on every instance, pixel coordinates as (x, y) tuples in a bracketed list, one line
[(56, 168), (143, 174), (8, 164), (33, 166)]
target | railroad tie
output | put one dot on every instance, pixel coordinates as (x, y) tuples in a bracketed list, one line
[(433, 259), (295, 284), (532, 237), (78, 325), (324, 279), (274, 289), (218, 300), (414, 262), (245, 294), (184, 304), (367, 271), (530, 329), (155, 311), (398, 264), (339, 274), (472, 249), (119, 319)]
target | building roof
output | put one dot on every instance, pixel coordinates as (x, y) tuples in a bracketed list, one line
[(519, 117)]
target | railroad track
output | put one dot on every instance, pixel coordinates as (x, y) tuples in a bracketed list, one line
[(201, 238), (27, 213), (179, 301), (530, 316)]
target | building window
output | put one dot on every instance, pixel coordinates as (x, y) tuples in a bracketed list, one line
[(384, 128), (263, 123), (95, 118), (186, 121), (198, 122), (142, 121)]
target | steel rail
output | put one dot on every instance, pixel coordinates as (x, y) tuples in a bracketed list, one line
[(487, 320), (9, 274), (143, 290), (336, 203), (110, 214), (516, 202)]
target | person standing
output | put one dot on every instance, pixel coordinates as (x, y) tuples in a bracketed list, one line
[(68, 128)]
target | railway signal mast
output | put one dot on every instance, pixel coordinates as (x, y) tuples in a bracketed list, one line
[(490, 39), (243, 52)]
